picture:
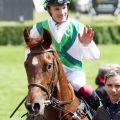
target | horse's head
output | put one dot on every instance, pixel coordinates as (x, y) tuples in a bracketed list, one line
[(41, 67)]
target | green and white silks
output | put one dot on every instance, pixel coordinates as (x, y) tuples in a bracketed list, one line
[(67, 41)]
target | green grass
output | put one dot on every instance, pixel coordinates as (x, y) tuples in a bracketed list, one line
[(100, 20), (13, 81), (109, 54)]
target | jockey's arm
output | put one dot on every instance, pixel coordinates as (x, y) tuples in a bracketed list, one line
[(90, 50)]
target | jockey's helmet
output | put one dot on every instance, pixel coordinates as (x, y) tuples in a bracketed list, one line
[(48, 3)]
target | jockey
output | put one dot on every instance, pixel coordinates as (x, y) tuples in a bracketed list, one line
[(72, 40)]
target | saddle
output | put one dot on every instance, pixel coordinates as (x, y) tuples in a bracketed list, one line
[(82, 111), (85, 109)]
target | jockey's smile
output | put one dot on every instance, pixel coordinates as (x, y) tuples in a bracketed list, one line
[(59, 13)]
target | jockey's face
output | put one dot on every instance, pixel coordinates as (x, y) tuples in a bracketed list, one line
[(59, 13), (112, 87)]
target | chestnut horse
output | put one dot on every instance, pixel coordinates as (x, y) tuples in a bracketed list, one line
[(50, 95)]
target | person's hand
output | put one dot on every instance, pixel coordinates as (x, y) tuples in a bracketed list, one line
[(87, 36)]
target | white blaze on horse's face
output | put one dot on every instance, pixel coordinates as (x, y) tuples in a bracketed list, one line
[(34, 61), (42, 107), (42, 103)]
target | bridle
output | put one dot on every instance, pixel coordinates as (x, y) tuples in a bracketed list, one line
[(50, 89), (53, 102)]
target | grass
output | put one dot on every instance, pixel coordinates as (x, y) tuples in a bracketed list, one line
[(13, 81), (109, 54), (101, 20)]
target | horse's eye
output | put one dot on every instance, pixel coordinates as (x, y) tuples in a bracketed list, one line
[(49, 66)]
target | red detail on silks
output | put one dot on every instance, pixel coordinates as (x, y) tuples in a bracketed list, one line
[(86, 90), (101, 79)]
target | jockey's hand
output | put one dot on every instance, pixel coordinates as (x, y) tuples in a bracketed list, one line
[(87, 36)]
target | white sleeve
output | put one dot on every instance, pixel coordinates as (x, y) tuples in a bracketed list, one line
[(91, 52), (34, 32)]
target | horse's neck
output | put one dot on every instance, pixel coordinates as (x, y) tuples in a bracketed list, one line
[(64, 87), (66, 92)]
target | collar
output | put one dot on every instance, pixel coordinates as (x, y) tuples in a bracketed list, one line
[(107, 102), (117, 101)]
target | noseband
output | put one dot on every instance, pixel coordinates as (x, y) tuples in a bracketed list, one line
[(50, 89)]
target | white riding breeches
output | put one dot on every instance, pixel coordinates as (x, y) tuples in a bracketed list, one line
[(76, 78)]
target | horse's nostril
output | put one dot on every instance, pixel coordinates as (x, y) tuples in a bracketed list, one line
[(29, 107), (36, 107)]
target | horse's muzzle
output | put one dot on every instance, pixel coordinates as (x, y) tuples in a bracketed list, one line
[(33, 108)]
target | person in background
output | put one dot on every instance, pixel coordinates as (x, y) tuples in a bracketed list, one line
[(110, 110), (72, 40), (100, 81)]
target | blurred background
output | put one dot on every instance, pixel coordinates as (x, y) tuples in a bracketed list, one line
[(102, 15)]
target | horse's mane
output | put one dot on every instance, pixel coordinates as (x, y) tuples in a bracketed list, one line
[(63, 81)]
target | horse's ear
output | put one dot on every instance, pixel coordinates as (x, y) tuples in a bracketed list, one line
[(47, 38), (26, 35)]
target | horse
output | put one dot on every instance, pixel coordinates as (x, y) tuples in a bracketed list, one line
[(50, 95)]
